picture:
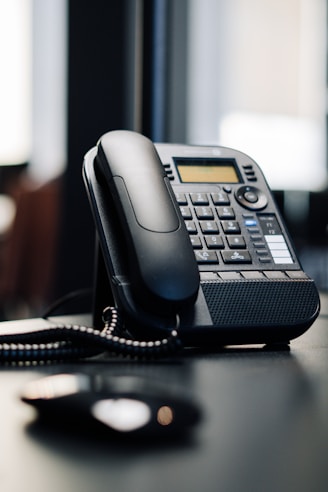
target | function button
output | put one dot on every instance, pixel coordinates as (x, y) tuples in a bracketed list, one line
[(251, 222), (230, 227), (225, 212), (199, 198), (251, 197), (214, 242), (253, 275), (196, 242), (205, 256), (204, 213), (191, 227), (209, 226), (230, 275), (264, 259), (274, 274), (237, 242), (227, 188), (220, 198), (236, 256), (185, 212), (262, 252), (181, 198), (259, 244), (248, 167), (256, 237)]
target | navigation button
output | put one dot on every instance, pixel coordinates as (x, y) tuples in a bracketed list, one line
[(251, 197)]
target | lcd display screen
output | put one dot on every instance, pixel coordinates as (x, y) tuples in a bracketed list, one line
[(207, 170)]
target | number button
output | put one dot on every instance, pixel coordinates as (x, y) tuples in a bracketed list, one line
[(220, 198), (204, 213), (230, 226), (196, 242), (185, 212), (199, 198), (209, 226), (237, 242), (214, 242), (191, 227), (181, 198), (225, 213)]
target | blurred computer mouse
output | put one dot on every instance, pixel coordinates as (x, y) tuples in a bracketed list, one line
[(128, 405)]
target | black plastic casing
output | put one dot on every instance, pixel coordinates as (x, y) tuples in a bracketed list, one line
[(231, 306)]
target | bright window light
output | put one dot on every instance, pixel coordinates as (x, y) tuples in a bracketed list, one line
[(15, 81), (257, 83), (290, 150)]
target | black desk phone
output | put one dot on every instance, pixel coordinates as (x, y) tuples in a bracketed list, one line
[(190, 237)]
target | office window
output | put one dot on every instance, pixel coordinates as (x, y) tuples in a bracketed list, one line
[(15, 81), (257, 82), (33, 82)]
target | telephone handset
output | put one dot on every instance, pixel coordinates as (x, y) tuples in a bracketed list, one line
[(164, 273), (190, 237)]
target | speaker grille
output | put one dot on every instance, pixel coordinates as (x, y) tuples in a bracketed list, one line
[(260, 303)]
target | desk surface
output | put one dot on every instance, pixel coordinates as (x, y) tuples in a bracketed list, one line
[(264, 426)]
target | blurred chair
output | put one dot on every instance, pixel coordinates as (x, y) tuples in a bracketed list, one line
[(28, 251)]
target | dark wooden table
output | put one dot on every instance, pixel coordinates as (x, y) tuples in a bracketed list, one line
[(264, 425)]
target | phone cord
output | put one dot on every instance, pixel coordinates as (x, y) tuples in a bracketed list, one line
[(72, 341)]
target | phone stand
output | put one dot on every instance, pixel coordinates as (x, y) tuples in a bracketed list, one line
[(102, 293)]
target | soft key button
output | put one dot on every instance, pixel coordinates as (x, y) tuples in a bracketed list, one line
[(274, 274), (297, 274), (253, 275)]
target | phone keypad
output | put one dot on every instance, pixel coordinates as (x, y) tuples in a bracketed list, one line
[(223, 234), (215, 232)]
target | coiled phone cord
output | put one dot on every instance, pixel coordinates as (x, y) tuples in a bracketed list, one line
[(71, 342)]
